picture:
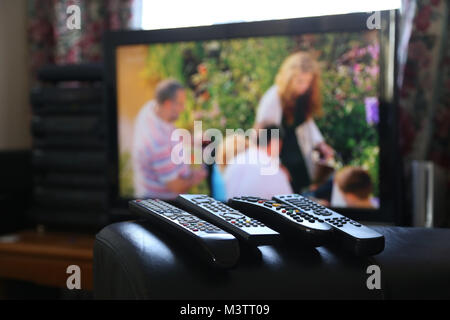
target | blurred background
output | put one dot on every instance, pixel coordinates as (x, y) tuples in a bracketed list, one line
[(34, 34)]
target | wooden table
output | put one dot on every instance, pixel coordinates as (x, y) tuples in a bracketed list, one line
[(43, 257)]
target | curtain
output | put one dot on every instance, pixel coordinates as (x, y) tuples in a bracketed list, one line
[(424, 96), (51, 41)]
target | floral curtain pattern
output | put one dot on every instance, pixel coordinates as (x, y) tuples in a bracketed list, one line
[(52, 42), (424, 96)]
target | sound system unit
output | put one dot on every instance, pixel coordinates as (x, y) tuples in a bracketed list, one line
[(68, 155), (71, 72)]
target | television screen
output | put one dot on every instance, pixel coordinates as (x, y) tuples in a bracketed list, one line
[(318, 92)]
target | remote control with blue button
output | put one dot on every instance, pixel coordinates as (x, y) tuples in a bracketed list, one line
[(284, 218)]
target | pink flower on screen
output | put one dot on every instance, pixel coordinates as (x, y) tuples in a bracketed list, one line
[(374, 51)]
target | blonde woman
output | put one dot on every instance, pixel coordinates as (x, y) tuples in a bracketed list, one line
[(292, 103)]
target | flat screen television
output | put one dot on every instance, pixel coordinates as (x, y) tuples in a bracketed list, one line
[(333, 76)]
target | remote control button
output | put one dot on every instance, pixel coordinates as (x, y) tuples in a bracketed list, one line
[(233, 215)]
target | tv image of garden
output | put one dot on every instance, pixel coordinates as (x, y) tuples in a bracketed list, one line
[(226, 79)]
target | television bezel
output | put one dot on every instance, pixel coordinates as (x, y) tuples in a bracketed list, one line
[(389, 161)]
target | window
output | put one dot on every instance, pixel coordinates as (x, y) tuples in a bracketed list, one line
[(158, 14)]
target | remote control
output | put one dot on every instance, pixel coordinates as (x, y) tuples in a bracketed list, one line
[(249, 230), (217, 247), (355, 237), (285, 219)]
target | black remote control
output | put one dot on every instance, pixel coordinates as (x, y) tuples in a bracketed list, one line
[(355, 237), (243, 227), (217, 247), (285, 219)]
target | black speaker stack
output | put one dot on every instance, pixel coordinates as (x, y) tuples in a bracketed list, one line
[(69, 153)]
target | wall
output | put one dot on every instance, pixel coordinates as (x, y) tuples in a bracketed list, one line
[(14, 84)]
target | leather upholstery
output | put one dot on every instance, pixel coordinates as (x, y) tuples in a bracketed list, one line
[(134, 261)]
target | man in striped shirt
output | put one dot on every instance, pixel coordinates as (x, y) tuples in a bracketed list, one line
[(155, 174)]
